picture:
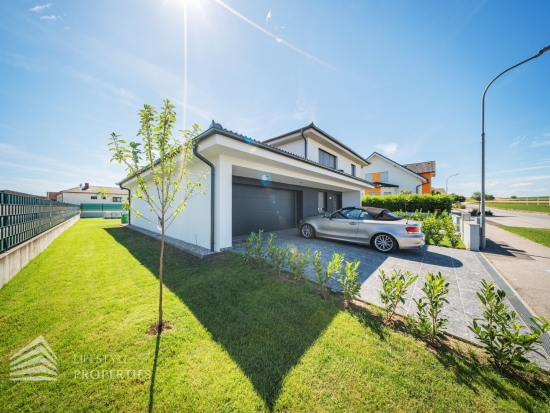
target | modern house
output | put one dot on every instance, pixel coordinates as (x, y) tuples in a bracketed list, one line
[(256, 185), (86, 194), (390, 177)]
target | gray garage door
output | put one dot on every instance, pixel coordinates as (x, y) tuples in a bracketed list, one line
[(264, 208)]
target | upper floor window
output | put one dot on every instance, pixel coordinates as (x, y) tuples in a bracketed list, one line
[(353, 170), (368, 177), (384, 177), (327, 159)]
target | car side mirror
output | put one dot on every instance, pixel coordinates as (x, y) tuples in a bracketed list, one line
[(326, 216)]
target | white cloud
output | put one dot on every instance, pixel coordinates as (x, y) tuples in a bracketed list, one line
[(40, 9), (517, 141), (519, 184), (536, 144), (52, 18), (387, 148), (492, 184), (268, 17)]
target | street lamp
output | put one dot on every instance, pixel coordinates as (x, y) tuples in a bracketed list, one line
[(447, 183), (541, 51)]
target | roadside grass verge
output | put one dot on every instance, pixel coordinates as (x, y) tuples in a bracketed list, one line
[(242, 340), (538, 235), (519, 207)]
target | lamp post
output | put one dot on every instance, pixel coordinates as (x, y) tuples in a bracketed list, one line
[(447, 183), (541, 51)]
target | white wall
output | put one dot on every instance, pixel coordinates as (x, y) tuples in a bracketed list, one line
[(85, 198), (342, 162), (296, 147), (192, 225), (396, 175)]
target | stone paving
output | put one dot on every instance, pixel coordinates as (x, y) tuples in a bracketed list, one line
[(463, 269)]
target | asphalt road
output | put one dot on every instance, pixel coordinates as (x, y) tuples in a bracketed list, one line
[(516, 219)]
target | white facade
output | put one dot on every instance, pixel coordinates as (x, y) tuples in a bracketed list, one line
[(397, 175), (83, 195), (233, 156)]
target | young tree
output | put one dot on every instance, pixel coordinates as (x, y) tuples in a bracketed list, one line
[(476, 196), (159, 167)]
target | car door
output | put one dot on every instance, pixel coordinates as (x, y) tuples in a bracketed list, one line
[(344, 223), (366, 227)]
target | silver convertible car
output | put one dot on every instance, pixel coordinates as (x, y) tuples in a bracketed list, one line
[(377, 227)]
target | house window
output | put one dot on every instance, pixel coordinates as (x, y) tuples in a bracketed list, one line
[(327, 159), (104, 197), (387, 193), (353, 170), (93, 197), (117, 199), (322, 207), (384, 177), (373, 193), (368, 177)]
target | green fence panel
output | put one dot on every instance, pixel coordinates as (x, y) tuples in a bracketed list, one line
[(24, 216), (115, 206)]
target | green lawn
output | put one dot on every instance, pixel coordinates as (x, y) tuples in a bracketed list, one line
[(242, 340), (532, 207), (540, 235)]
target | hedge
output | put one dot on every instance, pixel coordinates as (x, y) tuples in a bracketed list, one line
[(425, 203)]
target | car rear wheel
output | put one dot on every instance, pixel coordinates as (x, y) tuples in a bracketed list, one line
[(384, 243), (307, 231)]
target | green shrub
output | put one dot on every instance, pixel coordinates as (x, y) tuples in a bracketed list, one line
[(412, 202), (457, 198), (430, 323), (459, 205), (501, 333), (451, 231), (248, 247), (258, 250), (277, 255), (394, 289), (297, 262), (348, 280), (433, 227), (320, 275)]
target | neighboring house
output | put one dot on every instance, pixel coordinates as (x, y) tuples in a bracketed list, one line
[(52, 196), (256, 185), (390, 177), (88, 195), (440, 191)]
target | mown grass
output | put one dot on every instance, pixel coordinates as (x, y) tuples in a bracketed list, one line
[(539, 235), (531, 207), (242, 340)]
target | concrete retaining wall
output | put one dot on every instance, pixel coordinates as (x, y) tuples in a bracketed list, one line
[(14, 259)]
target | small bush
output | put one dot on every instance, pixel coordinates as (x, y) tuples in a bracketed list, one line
[(348, 280), (451, 231), (474, 212), (248, 247), (459, 205), (334, 266), (278, 256), (297, 262), (433, 227), (394, 289), (457, 198), (430, 323), (258, 250), (501, 333)]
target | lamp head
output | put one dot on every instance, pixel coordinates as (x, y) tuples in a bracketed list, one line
[(545, 49)]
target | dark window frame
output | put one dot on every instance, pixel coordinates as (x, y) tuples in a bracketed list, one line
[(353, 169), (117, 199), (93, 197), (330, 156)]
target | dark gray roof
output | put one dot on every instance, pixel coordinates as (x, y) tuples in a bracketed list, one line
[(217, 128), (312, 126), (421, 167)]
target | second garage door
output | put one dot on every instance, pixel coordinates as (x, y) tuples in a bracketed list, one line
[(266, 208)]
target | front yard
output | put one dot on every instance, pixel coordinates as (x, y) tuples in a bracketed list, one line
[(242, 340)]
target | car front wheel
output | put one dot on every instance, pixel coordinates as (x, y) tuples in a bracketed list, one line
[(307, 231), (384, 243)]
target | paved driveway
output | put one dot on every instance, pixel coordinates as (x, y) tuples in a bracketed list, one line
[(464, 269)]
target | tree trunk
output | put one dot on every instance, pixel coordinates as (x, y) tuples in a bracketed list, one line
[(160, 274)]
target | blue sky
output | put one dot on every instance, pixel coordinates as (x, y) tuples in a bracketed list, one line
[(404, 78)]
